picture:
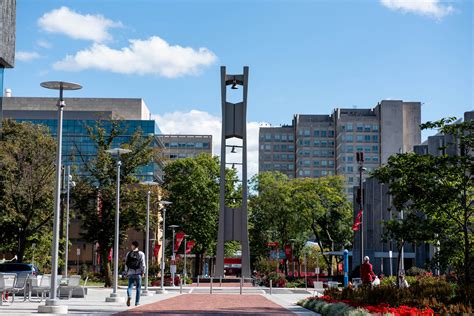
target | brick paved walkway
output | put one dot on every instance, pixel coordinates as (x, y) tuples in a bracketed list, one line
[(215, 304)]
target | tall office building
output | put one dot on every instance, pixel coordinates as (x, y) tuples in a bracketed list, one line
[(326, 144), (178, 146), (277, 150), (81, 114)]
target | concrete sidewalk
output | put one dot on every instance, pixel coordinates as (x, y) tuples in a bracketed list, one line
[(94, 304)]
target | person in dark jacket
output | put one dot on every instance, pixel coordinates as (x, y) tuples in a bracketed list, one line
[(134, 267), (367, 274)]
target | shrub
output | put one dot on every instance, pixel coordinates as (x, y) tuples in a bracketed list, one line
[(414, 271), (278, 279)]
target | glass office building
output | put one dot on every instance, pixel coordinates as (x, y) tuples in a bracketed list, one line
[(78, 147)]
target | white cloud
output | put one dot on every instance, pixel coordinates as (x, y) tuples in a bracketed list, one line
[(152, 56), (199, 122), (78, 26), (43, 44), (431, 8), (27, 56)]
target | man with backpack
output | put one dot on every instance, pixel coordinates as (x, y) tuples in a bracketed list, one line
[(134, 267)]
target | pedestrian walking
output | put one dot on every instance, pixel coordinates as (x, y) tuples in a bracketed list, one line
[(366, 272), (134, 267)]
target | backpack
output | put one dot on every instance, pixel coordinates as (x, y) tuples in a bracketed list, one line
[(134, 260)]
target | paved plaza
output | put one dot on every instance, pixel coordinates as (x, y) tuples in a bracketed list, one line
[(224, 300)]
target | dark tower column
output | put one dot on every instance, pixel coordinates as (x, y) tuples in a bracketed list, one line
[(233, 221)]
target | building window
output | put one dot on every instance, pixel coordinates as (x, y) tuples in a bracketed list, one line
[(367, 128), (367, 138), (276, 147), (268, 136), (350, 169), (284, 137), (277, 136), (367, 149), (375, 149), (331, 133), (316, 133), (375, 138), (316, 143), (306, 163), (375, 128), (324, 163), (349, 149), (350, 138), (360, 127), (316, 173), (307, 132), (359, 148), (291, 138), (349, 127), (350, 179), (268, 147), (307, 173), (360, 138), (324, 133), (324, 173), (291, 166)]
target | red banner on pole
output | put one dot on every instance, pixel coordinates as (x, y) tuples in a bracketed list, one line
[(156, 250), (178, 240), (189, 245), (111, 252), (288, 252), (357, 221)]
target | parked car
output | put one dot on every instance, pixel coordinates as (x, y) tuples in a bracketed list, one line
[(19, 268)]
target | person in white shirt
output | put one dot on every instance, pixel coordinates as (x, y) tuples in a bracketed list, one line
[(403, 284), (135, 268)]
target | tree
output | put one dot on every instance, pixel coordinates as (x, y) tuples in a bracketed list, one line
[(27, 156), (192, 185), (95, 193), (273, 216), (324, 207), (440, 187)]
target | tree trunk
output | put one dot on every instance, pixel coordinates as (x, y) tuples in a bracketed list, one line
[(21, 247), (399, 259), (104, 259), (467, 261), (197, 261)]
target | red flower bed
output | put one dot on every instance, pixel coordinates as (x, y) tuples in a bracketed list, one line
[(382, 308)]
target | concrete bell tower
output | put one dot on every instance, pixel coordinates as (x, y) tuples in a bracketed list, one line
[(233, 221)]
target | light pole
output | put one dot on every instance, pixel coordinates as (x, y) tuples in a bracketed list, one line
[(360, 161), (114, 295), (185, 270), (173, 263), (52, 303), (145, 292), (69, 184), (162, 283)]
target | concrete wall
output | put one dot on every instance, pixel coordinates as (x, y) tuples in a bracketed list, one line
[(7, 33), (115, 108), (399, 126)]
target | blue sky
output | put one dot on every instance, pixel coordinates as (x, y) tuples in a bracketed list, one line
[(304, 56)]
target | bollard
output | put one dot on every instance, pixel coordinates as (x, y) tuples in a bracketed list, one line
[(220, 281), (212, 279), (198, 281), (181, 286), (241, 284), (271, 281)]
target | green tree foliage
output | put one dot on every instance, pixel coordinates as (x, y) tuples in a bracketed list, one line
[(192, 185), (27, 157), (441, 188), (326, 212), (290, 211), (99, 178)]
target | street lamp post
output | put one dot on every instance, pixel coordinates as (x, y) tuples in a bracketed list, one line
[(293, 255), (185, 269), (145, 292), (360, 160), (69, 184), (162, 283), (173, 258), (114, 297), (52, 303)]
